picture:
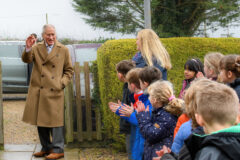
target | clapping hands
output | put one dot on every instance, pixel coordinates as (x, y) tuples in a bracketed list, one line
[(160, 153), (141, 107), (114, 106), (126, 110)]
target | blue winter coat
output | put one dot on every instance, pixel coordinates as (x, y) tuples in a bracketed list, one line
[(140, 63), (183, 133), (137, 140), (157, 130)]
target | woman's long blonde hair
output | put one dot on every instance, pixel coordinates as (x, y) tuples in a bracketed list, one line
[(152, 47)]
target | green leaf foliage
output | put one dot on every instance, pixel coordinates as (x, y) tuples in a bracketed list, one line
[(180, 50), (169, 18)]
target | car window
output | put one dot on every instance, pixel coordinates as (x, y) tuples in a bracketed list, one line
[(86, 55), (9, 51)]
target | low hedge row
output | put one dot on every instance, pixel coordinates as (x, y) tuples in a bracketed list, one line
[(180, 50)]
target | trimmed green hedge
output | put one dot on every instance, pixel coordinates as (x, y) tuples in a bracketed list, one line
[(180, 50)]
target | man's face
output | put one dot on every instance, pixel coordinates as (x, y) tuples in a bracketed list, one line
[(49, 36)]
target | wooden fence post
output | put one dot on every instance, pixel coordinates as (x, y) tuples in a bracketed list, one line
[(88, 101), (78, 102), (98, 124), (1, 111), (68, 101)]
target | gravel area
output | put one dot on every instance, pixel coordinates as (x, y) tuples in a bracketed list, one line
[(15, 130)]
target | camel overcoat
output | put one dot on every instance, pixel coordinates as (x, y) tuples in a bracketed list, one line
[(51, 73)]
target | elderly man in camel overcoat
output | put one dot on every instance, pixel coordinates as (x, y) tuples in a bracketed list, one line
[(44, 108)]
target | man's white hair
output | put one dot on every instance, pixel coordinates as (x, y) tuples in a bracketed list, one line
[(47, 26)]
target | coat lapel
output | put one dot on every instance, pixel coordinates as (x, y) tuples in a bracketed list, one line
[(53, 53), (43, 50)]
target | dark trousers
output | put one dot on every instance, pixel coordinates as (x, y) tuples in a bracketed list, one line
[(57, 143)]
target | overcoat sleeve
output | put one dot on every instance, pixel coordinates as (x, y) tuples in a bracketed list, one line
[(67, 69), (28, 57)]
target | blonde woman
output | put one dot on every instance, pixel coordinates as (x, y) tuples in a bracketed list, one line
[(151, 52)]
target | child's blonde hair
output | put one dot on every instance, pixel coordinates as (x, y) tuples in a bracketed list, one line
[(153, 48), (133, 77), (211, 61), (162, 91), (215, 102)]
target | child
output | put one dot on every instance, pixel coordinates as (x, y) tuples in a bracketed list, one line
[(216, 109), (132, 78), (146, 76), (191, 68), (158, 128), (230, 72), (186, 128), (122, 69), (211, 65)]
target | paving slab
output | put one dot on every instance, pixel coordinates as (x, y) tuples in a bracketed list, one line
[(15, 155), (19, 148), (34, 158)]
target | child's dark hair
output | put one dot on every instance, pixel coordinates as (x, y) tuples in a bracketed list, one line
[(124, 66), (150, 74), (231, 63), (194, 65)]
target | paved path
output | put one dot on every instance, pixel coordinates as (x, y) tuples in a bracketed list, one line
[(25, 152)]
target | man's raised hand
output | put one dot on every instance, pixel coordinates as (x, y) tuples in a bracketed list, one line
[(30, 42)]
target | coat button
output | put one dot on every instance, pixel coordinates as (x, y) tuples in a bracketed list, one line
[(51, 89), (41, 87), (43, 64), (53, 66), (52, 77), (42, 75)]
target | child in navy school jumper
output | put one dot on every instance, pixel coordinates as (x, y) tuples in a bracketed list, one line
[(158, 128), (122, 69), (132, 78)]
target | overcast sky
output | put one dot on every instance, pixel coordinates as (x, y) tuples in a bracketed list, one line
[(19, 18)]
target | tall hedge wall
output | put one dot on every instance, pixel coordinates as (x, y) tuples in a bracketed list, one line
[(180, 49)]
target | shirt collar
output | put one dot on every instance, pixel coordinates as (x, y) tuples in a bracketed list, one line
[(48, 45)]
